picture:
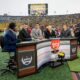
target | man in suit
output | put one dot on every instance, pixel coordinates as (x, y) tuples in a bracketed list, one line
[(66, 32), (49, 32), (24, 33)]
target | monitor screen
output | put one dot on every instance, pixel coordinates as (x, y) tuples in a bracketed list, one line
[(38, 9)]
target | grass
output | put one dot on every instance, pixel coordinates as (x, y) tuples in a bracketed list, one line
[(75, 64), (78, 53), (59, 73)]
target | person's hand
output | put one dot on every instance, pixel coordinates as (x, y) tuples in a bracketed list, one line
[(40, 38)]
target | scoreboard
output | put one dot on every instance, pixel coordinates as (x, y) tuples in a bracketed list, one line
[(38, 9)]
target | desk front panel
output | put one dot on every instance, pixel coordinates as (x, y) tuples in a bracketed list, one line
[(26, 60), (73, 51), (44, 51)]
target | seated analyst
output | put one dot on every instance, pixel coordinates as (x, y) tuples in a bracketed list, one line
[(66, 32), (24, 33), (36, 32), (49, 32)]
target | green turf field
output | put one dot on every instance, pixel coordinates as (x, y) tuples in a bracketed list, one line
[(59, 73), (75, 64), (78, 54)]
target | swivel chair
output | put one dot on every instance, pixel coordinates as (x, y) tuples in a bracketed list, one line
[(10, 64)]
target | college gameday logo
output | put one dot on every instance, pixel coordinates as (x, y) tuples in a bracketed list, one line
[(74, 50), (26, 61)]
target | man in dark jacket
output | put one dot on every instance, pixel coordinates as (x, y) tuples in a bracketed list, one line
[(66, 32), (49, 32), (10, 38), (24, 33), (77, 34)]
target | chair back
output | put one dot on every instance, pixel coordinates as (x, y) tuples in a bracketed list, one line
[(2, 42)]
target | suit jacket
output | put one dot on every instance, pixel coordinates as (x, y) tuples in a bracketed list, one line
[(24, 35), (10, 41), (66, 33), (47, 34)]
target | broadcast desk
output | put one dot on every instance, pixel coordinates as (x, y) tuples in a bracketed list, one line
[(33, 54)]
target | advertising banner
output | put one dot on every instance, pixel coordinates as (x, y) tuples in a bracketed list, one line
[(55, 44)]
